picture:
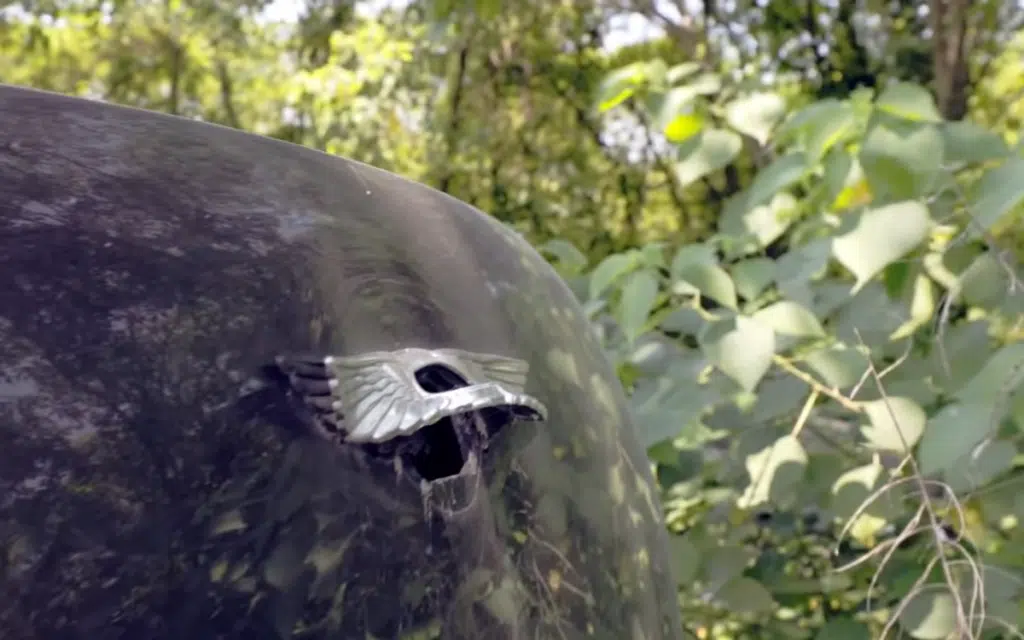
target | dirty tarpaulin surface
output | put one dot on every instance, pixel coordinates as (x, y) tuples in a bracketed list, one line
[(163, 477)]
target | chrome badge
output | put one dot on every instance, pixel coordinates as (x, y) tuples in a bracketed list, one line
[(377, 396)]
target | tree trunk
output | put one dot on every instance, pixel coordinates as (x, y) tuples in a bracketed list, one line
[(949, 56)]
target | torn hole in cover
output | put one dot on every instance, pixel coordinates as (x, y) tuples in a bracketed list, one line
[(429, 408)]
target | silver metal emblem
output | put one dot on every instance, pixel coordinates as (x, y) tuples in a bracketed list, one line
[(376, 396)]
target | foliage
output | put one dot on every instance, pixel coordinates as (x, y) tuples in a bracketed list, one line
[(840, 367), (805, 267)]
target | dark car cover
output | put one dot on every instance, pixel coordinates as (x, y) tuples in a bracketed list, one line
[(252, 391)]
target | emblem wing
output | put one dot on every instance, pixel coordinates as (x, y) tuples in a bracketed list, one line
[(376, 395), (509, 372), (379, 397)]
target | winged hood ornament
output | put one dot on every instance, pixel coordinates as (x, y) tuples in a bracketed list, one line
[(380, 395)]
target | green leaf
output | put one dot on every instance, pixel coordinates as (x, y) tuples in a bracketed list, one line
[(681, 71), (745, 595), (952, 434), (766, 223), (653, 254), (829, 296), (753, 276), (620, 85), (777, 397), (691, 254), (679, 101), (853, 487), (869, 316), (984, 284), (709, 280), (683, 127), (669, 105), (654, 353), (895, 277), (756, 114), (828, 132), (935, 264), (790, 319), (901, 164), (1001, 376), (725, 563), (971, 143), (804, 263), (684, 320), (741, 348), (807, 119), (1003, 589), (705, 84), (930, 615), (966, 349), (909, 101), (985, 463), (909, 380), (666, 407), (775, 472), (838, 365), (881, 237), (922, 307), (1016, 410), (706, 153), (570, 259), (655, 72), (893, 422), (609, 271), (638, 297), (998, 193), (667, 404), (780, 174), (839, 168), (685, 559)]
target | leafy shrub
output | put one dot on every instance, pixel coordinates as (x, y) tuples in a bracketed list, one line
[(830, 386)]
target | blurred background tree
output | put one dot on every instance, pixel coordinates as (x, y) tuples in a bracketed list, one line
[(698, 170), (493, 102)]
